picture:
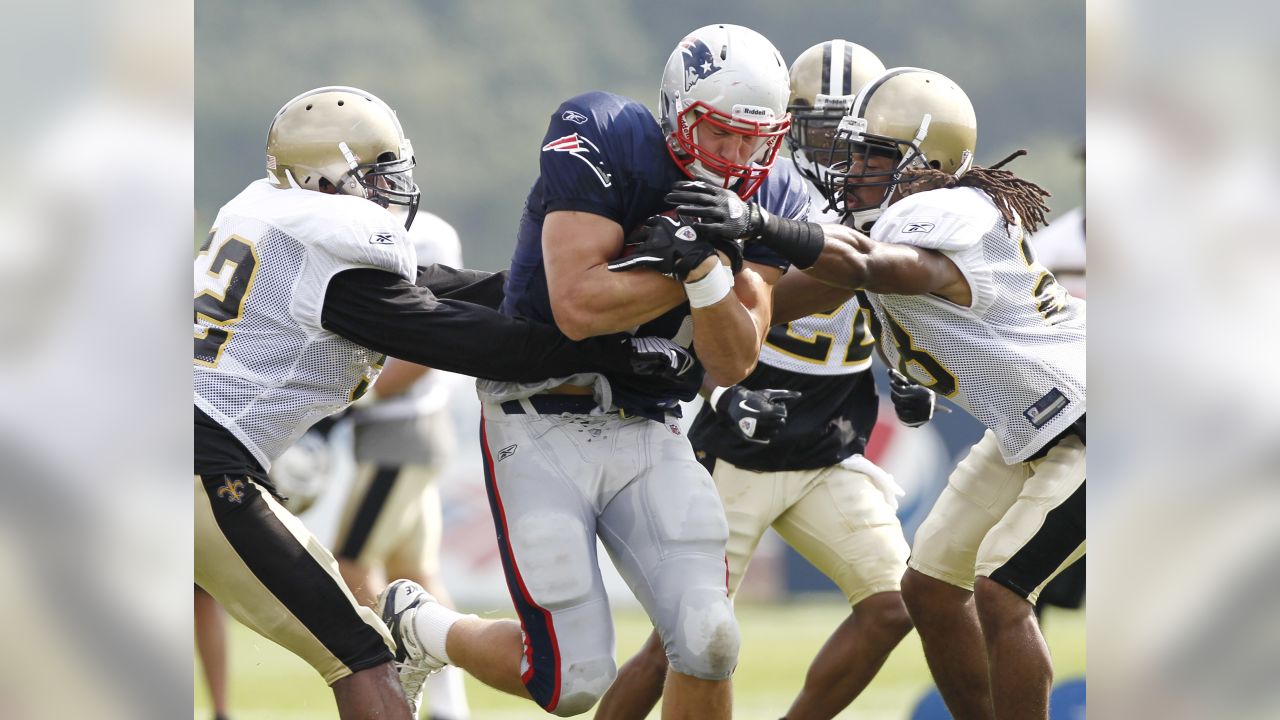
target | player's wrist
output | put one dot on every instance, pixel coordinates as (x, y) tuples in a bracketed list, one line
[(798, 241), (756, 217), (714, 398), (703, 268), (712, 287)]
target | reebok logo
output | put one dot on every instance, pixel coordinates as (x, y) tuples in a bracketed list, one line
[(918, 227), (507, 452), (382, 238)]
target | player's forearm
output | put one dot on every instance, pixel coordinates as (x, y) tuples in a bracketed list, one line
[(854, 261), (397, 377), (602, 302), (843, 262), (798, 295), (724, 336)]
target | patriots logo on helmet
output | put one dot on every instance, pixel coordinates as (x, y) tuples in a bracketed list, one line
[(579, 147), (699, 62)]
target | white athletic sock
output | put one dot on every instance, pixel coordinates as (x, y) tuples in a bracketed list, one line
[(446, 696), (432, 622)]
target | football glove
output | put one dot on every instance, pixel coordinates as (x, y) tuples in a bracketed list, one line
[(754, 415), (665, 245), (715, 210), (912, 402), (658, 356)]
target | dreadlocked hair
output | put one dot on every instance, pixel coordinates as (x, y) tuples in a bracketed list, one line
[(1015, 197)]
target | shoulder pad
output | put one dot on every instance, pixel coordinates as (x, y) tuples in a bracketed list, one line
[(944, 219)]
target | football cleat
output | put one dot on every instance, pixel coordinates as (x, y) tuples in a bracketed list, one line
[(398, 605)]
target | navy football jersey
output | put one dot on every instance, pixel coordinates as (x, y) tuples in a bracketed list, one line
[(605, 154)]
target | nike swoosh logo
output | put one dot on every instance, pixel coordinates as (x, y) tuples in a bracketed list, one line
[(743, 404)]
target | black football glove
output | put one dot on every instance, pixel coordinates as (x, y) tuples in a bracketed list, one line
[(715, 210), (732, 249), (912, 402), (666, 245), (658, 356), (754, 415)]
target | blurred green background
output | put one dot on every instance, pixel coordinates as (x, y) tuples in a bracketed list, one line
[(475, 82)]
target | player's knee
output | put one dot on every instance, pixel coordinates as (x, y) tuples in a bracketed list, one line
[(885, 612), (705, 641), (1000, 607), (918, 592), (582, 684), (652, 658)]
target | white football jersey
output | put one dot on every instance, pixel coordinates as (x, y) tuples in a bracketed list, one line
[(1015, 358), (839, 342), (264, 367)]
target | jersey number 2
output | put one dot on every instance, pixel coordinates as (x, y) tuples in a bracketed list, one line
[(231, 271)]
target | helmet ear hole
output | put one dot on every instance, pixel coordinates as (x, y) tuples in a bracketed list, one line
[(325, 185), (386, 157), (935, 164)]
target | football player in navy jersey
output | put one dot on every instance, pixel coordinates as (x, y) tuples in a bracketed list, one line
[(786, 446), (570, 459)]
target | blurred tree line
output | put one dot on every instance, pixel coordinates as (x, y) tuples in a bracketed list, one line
[(475, 81)]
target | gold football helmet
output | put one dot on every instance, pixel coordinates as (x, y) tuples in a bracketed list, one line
[(343, 140), (824, 82), (907, 118)]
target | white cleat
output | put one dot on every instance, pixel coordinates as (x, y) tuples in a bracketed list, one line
[(398, 605)]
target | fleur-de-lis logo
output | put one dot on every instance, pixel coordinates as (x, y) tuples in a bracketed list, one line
[(232, 490)]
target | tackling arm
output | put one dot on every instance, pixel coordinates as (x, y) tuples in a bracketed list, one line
[(851, 261), (854, 261)]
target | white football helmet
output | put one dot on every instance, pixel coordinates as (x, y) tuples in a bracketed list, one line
[(824, 81), (730, 78), (345, 139)]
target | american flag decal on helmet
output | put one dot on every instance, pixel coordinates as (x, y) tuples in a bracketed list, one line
[(271, 162), (580, 147)]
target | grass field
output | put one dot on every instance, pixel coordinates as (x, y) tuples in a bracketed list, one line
[(777, 643)]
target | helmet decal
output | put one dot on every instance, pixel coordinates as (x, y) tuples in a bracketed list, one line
[(699, 62)]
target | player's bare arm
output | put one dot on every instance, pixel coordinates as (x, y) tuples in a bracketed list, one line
[(727, 334), (586, 298), (397, 377), (798, 293), (849, 260)]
